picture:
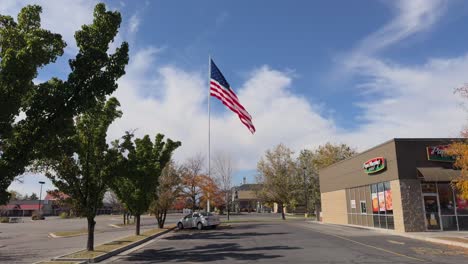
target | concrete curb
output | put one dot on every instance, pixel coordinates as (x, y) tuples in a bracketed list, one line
[(436, 240), (113, 252), (407, 235)]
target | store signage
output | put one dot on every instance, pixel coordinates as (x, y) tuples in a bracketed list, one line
[(374, 165), (438, 153)]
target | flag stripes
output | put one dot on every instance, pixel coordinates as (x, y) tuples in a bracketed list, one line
[(220, 89)]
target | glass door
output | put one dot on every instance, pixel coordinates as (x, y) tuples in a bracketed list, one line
[(431, 208)]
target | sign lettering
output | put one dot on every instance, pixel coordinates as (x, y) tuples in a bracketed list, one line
[(438, 153), (374, 165)]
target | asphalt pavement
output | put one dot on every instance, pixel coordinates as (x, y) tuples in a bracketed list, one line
[(29, 241), (290, 242)]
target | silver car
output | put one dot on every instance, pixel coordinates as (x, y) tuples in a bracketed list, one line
[(198, 220)]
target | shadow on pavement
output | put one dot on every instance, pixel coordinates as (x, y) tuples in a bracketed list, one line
[(185, 235), (211, 252)]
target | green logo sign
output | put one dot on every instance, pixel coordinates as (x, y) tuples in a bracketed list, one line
[(374, 165)]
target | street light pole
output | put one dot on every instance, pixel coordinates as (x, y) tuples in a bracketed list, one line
[(306, 193), (40, 197)]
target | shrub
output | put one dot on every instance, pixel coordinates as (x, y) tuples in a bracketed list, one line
[(4, 220), (64, 215), (37, 216)]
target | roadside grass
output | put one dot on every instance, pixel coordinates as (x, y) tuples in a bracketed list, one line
[(113, 245), (59, 262), (73, 233)]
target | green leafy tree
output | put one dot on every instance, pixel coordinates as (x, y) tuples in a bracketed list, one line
[(49, 108), (310, 162), (140, 165), (166, 192), (14, 196), (277, 175), (85, 164), (33, 197), (24, 48)]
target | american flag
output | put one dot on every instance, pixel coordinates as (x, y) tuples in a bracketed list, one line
[(221, 89)]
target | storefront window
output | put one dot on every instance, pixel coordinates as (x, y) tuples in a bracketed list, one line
[(381, 195), (375, 199), (390, 223), (388, 198), (447, 205), (462, 206), (463, 223)]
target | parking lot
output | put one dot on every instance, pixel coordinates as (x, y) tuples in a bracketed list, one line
[(29, 241), (290, 242)]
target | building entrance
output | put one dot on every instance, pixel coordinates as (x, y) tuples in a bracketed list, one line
[(442, 209), (431, 208)]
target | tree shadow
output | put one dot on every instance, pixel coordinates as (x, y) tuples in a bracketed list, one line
[(206, 253), (186, 235)]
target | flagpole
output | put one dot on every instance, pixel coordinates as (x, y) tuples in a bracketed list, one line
[(209, 128)]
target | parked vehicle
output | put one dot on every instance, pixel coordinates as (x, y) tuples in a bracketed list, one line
[(198, 220)]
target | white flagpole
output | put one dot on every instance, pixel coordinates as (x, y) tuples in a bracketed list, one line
[(209, 127)]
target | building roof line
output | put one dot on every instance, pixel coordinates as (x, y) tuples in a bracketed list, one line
[(390, 141)]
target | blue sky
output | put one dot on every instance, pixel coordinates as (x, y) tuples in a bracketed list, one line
[(355, 72)]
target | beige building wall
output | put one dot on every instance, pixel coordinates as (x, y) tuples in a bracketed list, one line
[(334, 207), (397, 206)]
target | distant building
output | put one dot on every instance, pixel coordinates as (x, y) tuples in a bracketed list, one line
[(245, 199), (18, 208)]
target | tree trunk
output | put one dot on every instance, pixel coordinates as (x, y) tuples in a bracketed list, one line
[(282, 213), (164, 218), (91, 225), (124, 218), (137, 225), (317, 211), (161, 218), (193, 204)]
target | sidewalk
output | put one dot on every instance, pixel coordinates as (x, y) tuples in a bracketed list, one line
[(451, 238)]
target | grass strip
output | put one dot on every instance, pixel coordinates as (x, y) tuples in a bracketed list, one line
[(70, 233), (59, 262), (113, 245)]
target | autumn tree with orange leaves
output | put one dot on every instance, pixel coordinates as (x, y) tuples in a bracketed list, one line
[(192, 179), (460, 151), (210, 190)]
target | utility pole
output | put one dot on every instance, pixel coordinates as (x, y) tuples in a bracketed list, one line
[(40, 197)]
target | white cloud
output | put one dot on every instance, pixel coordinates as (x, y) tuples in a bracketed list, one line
[(177, 107), (405, 100), (397, 100), (411, 17), (134, 23)]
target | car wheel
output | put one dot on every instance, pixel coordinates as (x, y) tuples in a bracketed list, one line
[(180, 226), (200, 226)]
